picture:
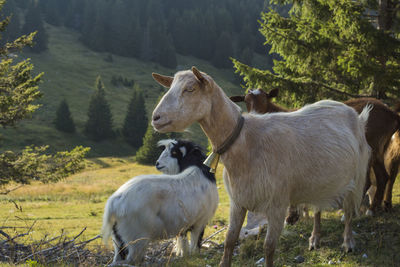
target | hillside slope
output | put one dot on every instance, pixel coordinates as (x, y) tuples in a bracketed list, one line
[(70, 72)]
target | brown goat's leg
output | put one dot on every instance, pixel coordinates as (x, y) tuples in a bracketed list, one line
[(316, 233), (393, 170), (293, 216), (381, 180), (236, 219)]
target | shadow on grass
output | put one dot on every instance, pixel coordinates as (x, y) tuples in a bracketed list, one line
[(100, 162), (377, 243)]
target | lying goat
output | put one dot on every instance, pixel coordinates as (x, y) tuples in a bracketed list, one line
[(159, 206)]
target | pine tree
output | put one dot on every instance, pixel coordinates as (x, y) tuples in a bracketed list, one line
[(52, 11), (149, 152), (327, 48), (99, 124), (13, 28), (135, 122), (19, 90), (34, 23), (223, 51), (63, 121), (167, 55), (74, 14), (246, 56)]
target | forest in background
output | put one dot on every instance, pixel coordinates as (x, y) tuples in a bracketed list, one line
[(153, 30), (171, 35), (310, 50)]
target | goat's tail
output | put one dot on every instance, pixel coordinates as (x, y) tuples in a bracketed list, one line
[(364, 115), (363, 157), (108, 220)]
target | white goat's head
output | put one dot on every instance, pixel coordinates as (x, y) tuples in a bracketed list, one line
[(184, 103), (168, 160)]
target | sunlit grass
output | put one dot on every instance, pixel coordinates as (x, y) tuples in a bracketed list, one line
[(78, 202)]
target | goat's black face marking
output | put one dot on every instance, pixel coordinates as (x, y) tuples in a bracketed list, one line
[(181, 154), (176, 153)]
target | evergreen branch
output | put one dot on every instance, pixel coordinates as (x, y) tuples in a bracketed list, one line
[(332, 89), (286, 36)]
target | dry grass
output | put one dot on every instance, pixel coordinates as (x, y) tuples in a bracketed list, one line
[(78, 202)]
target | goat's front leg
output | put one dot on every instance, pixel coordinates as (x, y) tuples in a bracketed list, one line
[(236, 219), (316, 233), (181, 246), (393, 170), (196, 237), (276, 221), (348, 242)]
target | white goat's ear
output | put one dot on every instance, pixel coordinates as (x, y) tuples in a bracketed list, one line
[(198, 75), (183, 150), (165, 81)]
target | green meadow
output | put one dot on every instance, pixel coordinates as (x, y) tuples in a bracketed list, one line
[(70, 70), (78, 201)]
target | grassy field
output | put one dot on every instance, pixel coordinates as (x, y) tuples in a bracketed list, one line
[(70, 72), (78, 202)]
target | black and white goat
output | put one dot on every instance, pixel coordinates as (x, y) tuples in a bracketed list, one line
[(159, 206)]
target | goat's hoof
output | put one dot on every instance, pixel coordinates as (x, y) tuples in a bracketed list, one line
[(223, 264), (369, 212), (292, 218), (387, 206), (348, 250), (313, 242), (349, 245)]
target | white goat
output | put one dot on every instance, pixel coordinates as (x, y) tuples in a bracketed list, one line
[(317, 155), (152, 207)]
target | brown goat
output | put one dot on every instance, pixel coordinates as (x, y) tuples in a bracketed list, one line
[(382, 124), (392, 162)]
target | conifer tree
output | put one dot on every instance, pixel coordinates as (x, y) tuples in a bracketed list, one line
[(63, 121), (99, 124), (135, 122), (337, 49), (149, 152), (18, 91), (13, 28), (223, 51), (167, 55), (34, 22)]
